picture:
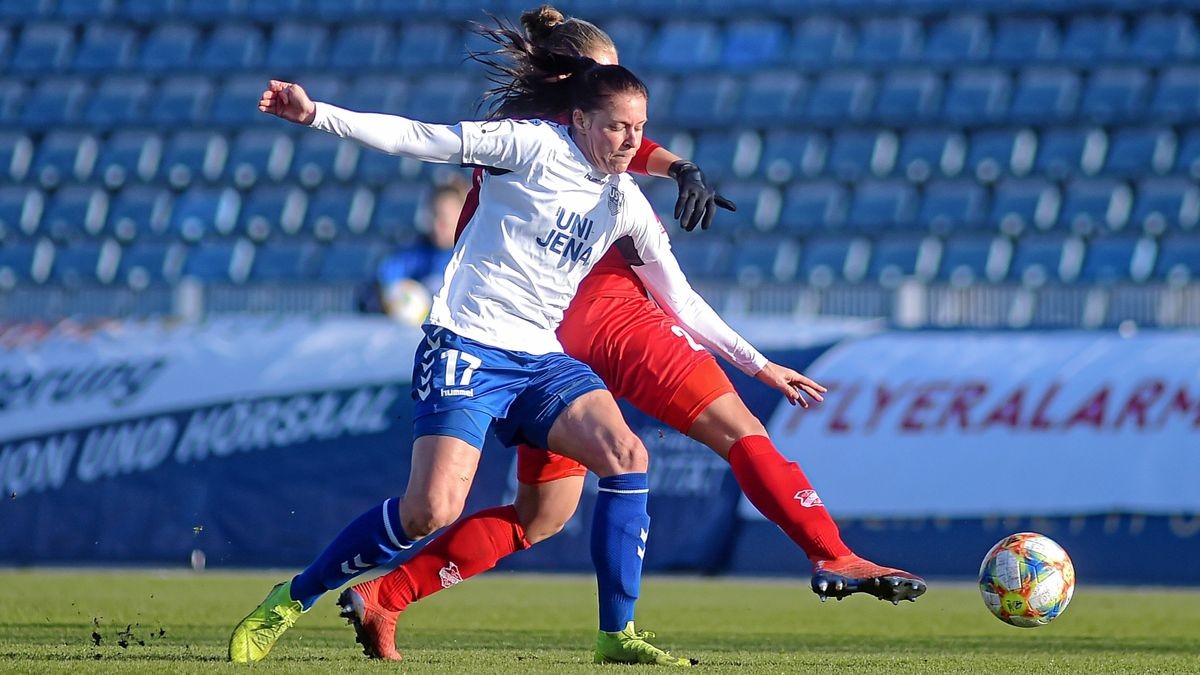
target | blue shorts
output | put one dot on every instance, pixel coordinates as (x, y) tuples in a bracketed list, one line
[(462, 386)]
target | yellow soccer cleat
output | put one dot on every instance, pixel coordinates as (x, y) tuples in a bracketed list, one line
[(631, 646), (254, 637)]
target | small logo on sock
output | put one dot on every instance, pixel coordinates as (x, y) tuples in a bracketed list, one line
[(642, 551), (809, 498), (450, 575)]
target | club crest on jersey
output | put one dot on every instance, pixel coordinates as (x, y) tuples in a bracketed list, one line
[(616, 199), (569, 237)]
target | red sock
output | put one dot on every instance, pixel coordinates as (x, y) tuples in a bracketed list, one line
[(782, 493), (472, 545)]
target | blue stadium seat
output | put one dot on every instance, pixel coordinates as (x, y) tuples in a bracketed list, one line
[(722, 154), (43, 48), (992, 153), (346, 261), (397, 211), (840, 97), (957, 40), (814, 206), (1090, 40), (1018, 41), (16, 154), (1110, 260), (1140, 151), (378, 168), (203, 211), (193, 155), (5, 43), (928, 152), (232, 48), (1163, 38), (855, 154), (377, 93), (12, 99), (319, 156), (81, 10), (117, 102), (753, 45), (1045, 95), (1069, 151), (64, 155), (792, 154), (139, 212), (1187, 156), (54, 103), (236, 103), (21, 208), (150, 11), (1093, 205), (758, 261), (759, 206), (428, 45), (632, 38), (1178, 259), (285, 261), (259, 155), (296, 45), (704, 101), (358, 46), (181, 102), (338, 208), (975, 96), (895, 258), (824, 260), (952, 206), (343, 9), (270, 209), (1166, 204), (445, 99), (685, 46), (770, 98), (1115, 95), (820, 42), (131, 154), (150, 264), (104, 49), (80, 264), (212, 11), (887, 42), (882, 205), (169, 48), (1022, 204), (75, 212), (1177, 95), (965, 259), (218, 261), (274, 10), (907, 97), (17, 262), (1037, 260), (703, 258)]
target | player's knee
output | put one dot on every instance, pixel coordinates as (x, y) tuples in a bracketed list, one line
[(423, 518), (625, 454)]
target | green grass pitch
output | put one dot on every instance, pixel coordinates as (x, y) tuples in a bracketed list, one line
[(147, 621)]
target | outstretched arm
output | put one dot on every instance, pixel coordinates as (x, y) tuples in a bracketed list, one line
[(392, 134)]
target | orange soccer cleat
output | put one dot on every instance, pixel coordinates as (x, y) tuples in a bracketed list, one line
[(374, 626), (851, 574)]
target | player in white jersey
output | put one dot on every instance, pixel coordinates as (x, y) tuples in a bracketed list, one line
[(556, 199)]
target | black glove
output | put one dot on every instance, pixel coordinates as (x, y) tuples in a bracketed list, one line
[(697, 201)]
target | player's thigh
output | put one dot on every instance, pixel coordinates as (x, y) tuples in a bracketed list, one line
[(724, 422), (443, 468), (544, 508), (591, 431)]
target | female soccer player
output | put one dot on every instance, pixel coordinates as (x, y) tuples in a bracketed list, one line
[(640, 351), (557, 199)]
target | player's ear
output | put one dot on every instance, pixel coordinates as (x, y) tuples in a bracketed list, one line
[(581, 120)]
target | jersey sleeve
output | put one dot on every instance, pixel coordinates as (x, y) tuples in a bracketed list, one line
[(509, 145), (392, 134), (649, 252)]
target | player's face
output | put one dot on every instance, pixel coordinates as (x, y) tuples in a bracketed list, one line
[(609, 136)]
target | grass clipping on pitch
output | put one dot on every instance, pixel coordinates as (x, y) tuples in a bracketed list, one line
[(138, 621)]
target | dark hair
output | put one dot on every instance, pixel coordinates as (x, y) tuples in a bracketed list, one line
[(548, 28), (535, 81)]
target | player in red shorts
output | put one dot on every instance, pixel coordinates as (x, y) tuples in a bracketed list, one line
[(645, 357)]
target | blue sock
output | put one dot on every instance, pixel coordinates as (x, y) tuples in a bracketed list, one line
[(620, 526), (371, 540)]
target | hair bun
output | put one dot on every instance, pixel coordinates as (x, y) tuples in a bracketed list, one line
[(540, 22)]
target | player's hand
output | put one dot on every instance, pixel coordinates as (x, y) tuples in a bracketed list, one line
[(697, 200), (289, 101), (792, 384)]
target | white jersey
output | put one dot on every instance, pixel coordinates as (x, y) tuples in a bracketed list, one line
[(545, 217)]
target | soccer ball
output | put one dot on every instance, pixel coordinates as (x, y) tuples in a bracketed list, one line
[(1027, 580)]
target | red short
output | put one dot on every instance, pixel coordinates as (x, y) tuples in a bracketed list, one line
[(643, 357)]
